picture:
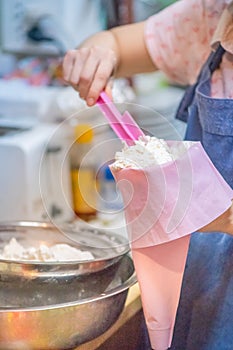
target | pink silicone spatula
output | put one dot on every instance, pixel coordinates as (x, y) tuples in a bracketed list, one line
[(123, 125)]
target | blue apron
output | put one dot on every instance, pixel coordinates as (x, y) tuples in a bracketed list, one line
[(205, 313)]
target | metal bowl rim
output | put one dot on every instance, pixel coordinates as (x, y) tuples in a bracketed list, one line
[(40, 224), (110, 293)]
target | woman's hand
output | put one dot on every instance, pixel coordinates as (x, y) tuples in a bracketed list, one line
[(88, 70), (223, 223), (120, 51)]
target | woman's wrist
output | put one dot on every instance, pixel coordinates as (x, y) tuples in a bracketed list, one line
[(223, 223)]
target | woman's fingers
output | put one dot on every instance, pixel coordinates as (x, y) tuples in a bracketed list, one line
[(102, 76), (87, 75), (68, 63), (73, 64), (78, 64), (88, 70)]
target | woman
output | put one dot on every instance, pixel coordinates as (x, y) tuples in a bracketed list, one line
[(183, 41)]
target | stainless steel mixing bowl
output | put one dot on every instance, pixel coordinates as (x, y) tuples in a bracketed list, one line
[(46, 282), (105, 246), (64, 325)]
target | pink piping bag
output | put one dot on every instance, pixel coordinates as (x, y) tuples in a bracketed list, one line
[(164, 204)]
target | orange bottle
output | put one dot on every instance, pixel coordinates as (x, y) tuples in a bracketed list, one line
[(83, 173)]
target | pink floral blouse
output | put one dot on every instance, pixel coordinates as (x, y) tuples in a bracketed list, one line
[(179, 41)]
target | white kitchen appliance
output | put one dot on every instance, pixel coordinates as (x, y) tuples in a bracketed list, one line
[(34, 176), (66, 22)]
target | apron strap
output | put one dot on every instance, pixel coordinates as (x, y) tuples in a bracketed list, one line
[(216, 59), (211, 64), (221, 35)]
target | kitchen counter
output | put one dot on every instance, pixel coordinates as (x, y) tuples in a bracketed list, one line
[(126, 331)]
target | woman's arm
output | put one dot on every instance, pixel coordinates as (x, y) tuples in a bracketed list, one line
[(120, 51), (133, 55)]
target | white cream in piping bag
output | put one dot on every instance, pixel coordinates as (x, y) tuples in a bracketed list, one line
[(148, 151)]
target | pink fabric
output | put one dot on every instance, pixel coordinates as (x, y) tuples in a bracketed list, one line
[(178, 41)]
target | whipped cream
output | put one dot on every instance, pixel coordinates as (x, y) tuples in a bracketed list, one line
[(145, 152), (58, 252), (148, 151)]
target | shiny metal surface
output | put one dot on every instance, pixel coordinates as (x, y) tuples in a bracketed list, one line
[(64, 325), (46, 282), (106, 247)]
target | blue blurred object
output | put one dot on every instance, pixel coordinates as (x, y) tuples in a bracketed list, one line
[(108, 174), (110, 196)]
